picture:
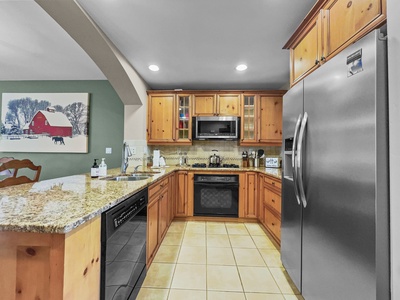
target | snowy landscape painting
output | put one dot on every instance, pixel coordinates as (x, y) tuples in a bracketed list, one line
[(44, 122)]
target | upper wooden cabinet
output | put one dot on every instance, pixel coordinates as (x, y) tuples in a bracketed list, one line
[(169, 116), (216, 105), (161, 118), (261, 119), (270, 120), (169, 119), (329, 27)]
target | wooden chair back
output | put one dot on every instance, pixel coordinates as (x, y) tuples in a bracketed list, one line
[(16, 165)]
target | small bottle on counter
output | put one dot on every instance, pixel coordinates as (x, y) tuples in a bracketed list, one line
[(245, 159), (144, 162), (94, 171), (103, 168)]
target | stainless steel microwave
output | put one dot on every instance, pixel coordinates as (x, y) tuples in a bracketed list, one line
[(213, 127)]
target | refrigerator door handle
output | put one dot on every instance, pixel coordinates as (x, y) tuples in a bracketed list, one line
[(294, 154), (300, 159)]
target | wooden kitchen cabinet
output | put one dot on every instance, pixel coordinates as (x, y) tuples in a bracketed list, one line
[(163, 214), (348, 18), (161, 118), (216, 105), (270, 206), (157, 216), (262, 118), (181, 201), (270, 128), (152, 231), (169, 119), (249, 124), (306, 55), (329, 27), (172, 194), (250, 198)]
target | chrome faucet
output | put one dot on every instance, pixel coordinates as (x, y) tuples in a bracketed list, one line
[(136, 168), (126, 153)]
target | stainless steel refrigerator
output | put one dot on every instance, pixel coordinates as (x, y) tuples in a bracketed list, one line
[(335, 214)]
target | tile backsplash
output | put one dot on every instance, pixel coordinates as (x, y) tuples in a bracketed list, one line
[(199, 152)]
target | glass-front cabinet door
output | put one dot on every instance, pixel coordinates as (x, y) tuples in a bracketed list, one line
[(184, 119), (249, 120)]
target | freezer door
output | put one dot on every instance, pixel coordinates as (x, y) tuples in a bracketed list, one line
[(340, 221), (291, 215)]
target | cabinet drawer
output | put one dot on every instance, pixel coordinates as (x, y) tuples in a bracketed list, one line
[(273, 182), (157, 187), (272, 222), (272, 199)]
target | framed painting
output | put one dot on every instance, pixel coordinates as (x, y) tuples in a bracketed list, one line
[(44, 122)]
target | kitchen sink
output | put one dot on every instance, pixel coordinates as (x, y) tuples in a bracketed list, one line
[(146, 172), (133, 177)]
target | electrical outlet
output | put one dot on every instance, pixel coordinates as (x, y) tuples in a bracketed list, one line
[(133, 150), (108, 150)]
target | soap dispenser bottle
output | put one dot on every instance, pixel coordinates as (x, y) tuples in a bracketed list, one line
[(103, 168), (94, 171)]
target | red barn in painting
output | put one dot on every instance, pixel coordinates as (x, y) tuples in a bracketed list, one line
[(49, 122)]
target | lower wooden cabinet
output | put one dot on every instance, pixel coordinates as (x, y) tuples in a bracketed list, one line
[(250, 195), (181, 201), (270, 205), (163, 214), (152, 230)]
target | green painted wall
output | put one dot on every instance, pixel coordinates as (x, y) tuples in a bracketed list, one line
[(106, 126)]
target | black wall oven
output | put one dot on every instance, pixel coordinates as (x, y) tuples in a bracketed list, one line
[(216, 195), (123, 248)]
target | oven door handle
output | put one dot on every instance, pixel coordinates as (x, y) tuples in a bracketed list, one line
[(219, 184)]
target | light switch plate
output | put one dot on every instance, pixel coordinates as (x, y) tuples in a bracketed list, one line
[(108, 150), (133, 150)]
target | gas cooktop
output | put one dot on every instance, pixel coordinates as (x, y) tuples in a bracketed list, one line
[(215, 166)]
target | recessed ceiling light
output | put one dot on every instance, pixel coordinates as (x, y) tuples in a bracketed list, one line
[(241, 67), (154, 68)]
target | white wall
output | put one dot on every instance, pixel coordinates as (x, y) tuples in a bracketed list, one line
[(393, 11), (135, 121)]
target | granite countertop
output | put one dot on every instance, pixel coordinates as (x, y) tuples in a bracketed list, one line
[(62, 204)]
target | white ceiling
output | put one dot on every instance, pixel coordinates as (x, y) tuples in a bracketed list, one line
[(196, 44)]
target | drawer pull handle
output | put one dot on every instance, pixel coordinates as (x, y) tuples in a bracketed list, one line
[(273, 183)]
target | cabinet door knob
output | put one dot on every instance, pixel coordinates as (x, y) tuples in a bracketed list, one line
[(323, 58), (273, 200), (316, 61)]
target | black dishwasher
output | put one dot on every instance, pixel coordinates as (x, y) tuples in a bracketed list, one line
[(123, 248)]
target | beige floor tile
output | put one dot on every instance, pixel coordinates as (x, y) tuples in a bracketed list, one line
[(177, 227), (167, 254), (189, 277), (216, 228), (192, 255), (254, 229), (173, 239), (280, 278), (223, 278), (263, 242), (196, 227), (258, 280), (220, 256), (194, 239), (241, 241), (159, 275), (218, 240), (263, 296), (213, 295), (175, 294), (152, 294), (236, 228), (248, 257), (271, 257)]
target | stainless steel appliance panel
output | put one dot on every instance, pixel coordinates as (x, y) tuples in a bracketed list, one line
[(339, 223), (291, 217)]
